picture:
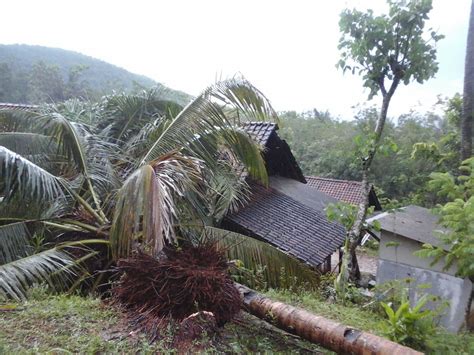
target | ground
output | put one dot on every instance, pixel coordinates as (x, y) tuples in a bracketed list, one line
[(367, 259), (74, 324)]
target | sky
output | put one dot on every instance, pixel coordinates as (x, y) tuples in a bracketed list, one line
[(288, 49)]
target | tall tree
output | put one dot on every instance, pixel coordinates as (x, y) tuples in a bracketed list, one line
[(386, 50), (468, 96)]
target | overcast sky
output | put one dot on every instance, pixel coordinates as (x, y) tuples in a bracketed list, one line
[(288, 49)]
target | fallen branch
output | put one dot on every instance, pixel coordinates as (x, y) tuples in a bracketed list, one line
[(329, 334)]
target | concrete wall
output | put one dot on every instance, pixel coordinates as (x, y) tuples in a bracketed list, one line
[(455, 290), (403, 253)]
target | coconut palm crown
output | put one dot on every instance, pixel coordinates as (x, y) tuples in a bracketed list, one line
[(123, 174)]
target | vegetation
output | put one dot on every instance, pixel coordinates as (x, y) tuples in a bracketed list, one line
[(35, 74), (387, 50), (413, 146), (363, 316), (457, 244), (121, 175), (85, 325)]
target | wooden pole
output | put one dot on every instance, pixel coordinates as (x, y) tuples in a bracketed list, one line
[(329, 334)]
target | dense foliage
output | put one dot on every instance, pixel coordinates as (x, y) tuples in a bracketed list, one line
[(458, 216), (413, 146), (35, 74)]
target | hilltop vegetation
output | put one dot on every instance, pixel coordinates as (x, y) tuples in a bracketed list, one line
[(413, 146), (35, 74)]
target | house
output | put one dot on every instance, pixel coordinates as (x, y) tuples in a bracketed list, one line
[(403, 232), (287, 214), (344, 190)]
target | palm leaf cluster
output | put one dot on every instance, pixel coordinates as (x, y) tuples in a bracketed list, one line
[(126, 171)]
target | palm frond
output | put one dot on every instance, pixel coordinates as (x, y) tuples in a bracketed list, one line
[(90, 153), (227, 191), (24, 179), (17, 276), (255, 254), (14, 241), (207, 113), (124, 115), (147, 203), (17, 120), (138, 214)]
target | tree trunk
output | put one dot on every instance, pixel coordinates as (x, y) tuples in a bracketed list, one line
[(468, 95), (355, 233), (329, 334)]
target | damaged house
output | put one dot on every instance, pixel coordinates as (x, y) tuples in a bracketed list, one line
[(288, 214)]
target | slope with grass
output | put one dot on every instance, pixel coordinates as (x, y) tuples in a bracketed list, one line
[(62, 324)]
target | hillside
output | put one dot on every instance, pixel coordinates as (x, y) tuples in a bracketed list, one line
[(29, 74)]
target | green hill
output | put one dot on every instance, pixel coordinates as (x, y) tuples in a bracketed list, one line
[(32, 74)]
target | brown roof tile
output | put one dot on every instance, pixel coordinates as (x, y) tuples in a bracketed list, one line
[(343, 190)]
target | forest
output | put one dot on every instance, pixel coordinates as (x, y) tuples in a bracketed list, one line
[(414, 145), (35, 74)]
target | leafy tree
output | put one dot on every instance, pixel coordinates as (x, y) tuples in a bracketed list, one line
[(458, 216), (468, 95), (45, 83), (386, 50)]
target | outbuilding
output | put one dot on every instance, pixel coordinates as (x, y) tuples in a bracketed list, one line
[(402, 233)]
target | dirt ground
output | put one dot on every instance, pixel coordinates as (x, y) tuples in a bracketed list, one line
[(367, 263)]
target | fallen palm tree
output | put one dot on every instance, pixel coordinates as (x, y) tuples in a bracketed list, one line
[(327, 333)]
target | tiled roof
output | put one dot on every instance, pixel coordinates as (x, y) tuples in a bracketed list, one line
[(343, 190), (277, 154), (261, 131), (22, 107), (290, 225)]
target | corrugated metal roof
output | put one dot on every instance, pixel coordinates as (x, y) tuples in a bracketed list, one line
[(412, 222)]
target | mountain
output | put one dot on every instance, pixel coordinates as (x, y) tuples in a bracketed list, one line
[(31, 74)]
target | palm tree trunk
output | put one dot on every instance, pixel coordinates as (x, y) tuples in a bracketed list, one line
[(329, 334), (468, 95)]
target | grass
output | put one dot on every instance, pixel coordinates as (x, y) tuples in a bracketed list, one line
[(74, 324), (58, 324)]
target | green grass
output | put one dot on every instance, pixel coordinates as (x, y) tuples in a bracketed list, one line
[(64, 324), (351, 315), (74, 324)]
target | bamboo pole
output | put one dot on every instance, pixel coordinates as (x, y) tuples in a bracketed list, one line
[(329, 334)]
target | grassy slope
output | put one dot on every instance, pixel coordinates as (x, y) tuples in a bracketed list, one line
[(63, 324)]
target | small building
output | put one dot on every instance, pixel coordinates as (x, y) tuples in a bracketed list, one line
[(287, 214), (344, 190), (402, 233)]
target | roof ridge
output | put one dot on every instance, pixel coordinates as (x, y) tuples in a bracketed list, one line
[(332, 179)]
